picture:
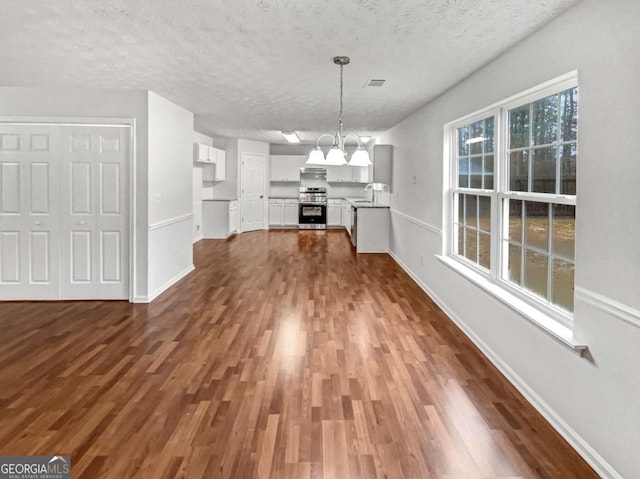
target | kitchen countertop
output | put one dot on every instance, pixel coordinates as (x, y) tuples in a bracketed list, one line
[(362, 203)]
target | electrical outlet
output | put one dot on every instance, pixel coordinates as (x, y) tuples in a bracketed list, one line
[(415, 179), (198, 227)]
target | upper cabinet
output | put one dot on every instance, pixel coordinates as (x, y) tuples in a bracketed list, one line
[(215, 159), (383, 164), (348, 174), (286, 168)]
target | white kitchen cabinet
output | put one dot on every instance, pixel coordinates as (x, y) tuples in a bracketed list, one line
[(286, 168), (220, 173), (348, 174), (339, 174), (290, 208), (283, 212), (361, 174), (276, 212), (201, 152), (219, 218), (233, 217), (346, 215), (214, 161), (334, 213), (383, 164), (372, 235)]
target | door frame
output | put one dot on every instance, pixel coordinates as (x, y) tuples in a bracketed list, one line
[(265, 200), (101, 121)]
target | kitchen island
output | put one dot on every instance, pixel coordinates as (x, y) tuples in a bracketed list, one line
[(369, 226)]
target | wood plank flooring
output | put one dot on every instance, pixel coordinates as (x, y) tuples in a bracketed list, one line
[(283, 355)]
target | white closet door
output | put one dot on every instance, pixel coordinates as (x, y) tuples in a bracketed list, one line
[(29, 221), (94, 212)]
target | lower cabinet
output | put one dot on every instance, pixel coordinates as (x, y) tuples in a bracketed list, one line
[(283, 213), (233, 217), (276, 212), (334, 213), (346, 216), (219, 218)]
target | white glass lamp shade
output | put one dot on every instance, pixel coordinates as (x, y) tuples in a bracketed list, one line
[(335, 157), (360, 157), (316, 157)]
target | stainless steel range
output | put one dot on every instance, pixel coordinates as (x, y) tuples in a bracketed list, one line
[(312, 208)]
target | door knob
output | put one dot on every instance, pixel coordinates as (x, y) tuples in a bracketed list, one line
[(261, 196)]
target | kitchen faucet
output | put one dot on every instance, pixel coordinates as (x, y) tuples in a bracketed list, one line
[(373, 192)]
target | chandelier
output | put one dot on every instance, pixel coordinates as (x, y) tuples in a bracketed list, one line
[(337, 154)]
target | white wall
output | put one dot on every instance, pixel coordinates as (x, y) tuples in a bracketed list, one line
[(170, 193), (593, 401), (74, 102)]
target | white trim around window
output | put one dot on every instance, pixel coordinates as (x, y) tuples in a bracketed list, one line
[(491, 273)]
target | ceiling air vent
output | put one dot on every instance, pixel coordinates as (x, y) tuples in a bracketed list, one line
[(374, 82)]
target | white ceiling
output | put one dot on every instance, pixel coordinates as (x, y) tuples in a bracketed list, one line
[(250, 68)]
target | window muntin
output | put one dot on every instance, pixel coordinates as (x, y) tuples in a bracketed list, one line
[(532, 207), (543, 145), (540, 250), (475, 154), (473, 227), (474, 184)]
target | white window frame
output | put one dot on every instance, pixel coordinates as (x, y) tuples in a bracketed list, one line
[(494, 280)]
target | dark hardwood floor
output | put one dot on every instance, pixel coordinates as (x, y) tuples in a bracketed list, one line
[(283, 355)]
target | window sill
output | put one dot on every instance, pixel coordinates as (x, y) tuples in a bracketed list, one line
[(558, 331)]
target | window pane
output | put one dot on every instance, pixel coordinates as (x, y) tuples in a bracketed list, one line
[(562, 294), (515, 221), (484, 219), (544, 170), (519, 171), (535, 273), (460, 201), (537, 225), (484, 253), (476, 173), (463, 172), (460, 240), (569, 114), (488, 172), (564, 230), (519, 127), (471, 244), (475, 134), (515, 258), (545, 120), (488, 135), (568, 169), (463, 136), (471, 210)]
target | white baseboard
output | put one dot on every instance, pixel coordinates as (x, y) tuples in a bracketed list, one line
[(164, 287), (197, 238), (595, 460)]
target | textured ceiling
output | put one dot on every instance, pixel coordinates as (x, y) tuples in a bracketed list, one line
[(251, 68)]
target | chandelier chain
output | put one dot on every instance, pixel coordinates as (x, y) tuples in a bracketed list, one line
[(341, 102)]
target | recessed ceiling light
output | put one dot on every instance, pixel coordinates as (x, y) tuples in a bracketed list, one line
[(365, 139), (291, 136)]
